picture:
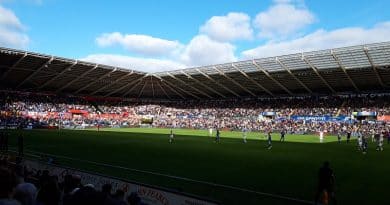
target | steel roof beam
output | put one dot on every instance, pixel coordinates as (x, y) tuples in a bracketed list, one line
[(163, 90), (207, 76), (142, 90), (272, 78), (58, 75), (318, 73), (151, 83), (235, 82), (35, 72), (173, 90), (94, 81), (123, 87), (115, 81), (252, 80), (5, 74), (186, 84), (203, 85), (76, 79), (132, 88), (169, 83), (344, 70), (292, 75), (374, 68)]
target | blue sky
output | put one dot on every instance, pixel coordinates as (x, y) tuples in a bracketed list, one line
[(157, 35)]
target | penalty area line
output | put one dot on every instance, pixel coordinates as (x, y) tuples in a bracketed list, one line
[(277, 196)]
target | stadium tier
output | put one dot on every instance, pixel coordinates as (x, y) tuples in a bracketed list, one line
[(167, 120), (296, 115), (363, 68), (326, 88)]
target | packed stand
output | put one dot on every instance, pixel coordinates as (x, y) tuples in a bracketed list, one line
[(37, 110), (21, 185)]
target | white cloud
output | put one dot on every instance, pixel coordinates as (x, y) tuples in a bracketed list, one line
[(140, 64), (282, 19), (140, 44), (322, 39), (230, 27), (12, 31), (204, 51), (201, 50)]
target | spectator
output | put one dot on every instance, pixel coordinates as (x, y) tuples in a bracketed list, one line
[(49, 194), (326, 183), (119, 197), (7, 188), (26, 194), (106, 189)]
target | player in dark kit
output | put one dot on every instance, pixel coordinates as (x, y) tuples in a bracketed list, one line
[(218, 137), (365, 142), (282, 134), (326, 183), (269, 131), (388, 136), (4, 141), (339, 136), (348, 135), (1, 140)]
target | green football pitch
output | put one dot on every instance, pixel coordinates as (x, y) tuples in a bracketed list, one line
[(231, 172)]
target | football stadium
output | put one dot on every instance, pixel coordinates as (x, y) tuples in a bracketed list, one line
[(303, 128)]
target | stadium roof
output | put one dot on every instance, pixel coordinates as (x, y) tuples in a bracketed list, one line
[(360, 68)]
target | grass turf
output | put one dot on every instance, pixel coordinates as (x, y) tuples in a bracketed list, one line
[(288, 169)]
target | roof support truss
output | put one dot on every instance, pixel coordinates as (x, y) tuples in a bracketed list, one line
[(171, 85), (76, 79), (142, 89), (163, 82), (374, 68), (133, 87), (235, 82), (318, 73), (186, 84), (163, 90), (109, 84), (253, 81), (123, 87), (58, 75), (292, 75), (210, 78), (343, 69), (203, 85), (94, 81), (151, 83), (270, 77), (13, 66), (36, 71)]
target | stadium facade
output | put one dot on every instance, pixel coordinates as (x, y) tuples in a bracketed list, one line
[(356, 69)]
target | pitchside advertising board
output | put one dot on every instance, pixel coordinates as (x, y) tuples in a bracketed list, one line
[(148, 195), (319, 118)]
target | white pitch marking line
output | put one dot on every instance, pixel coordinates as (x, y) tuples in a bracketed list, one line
[(181, 178)]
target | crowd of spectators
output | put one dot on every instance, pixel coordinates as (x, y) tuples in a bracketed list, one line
[(21, 185), (235, 114)]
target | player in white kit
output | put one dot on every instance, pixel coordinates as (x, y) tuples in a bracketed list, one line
[(321, 136), (360, 139), (171, 136), (244, 132), (380, 141)]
